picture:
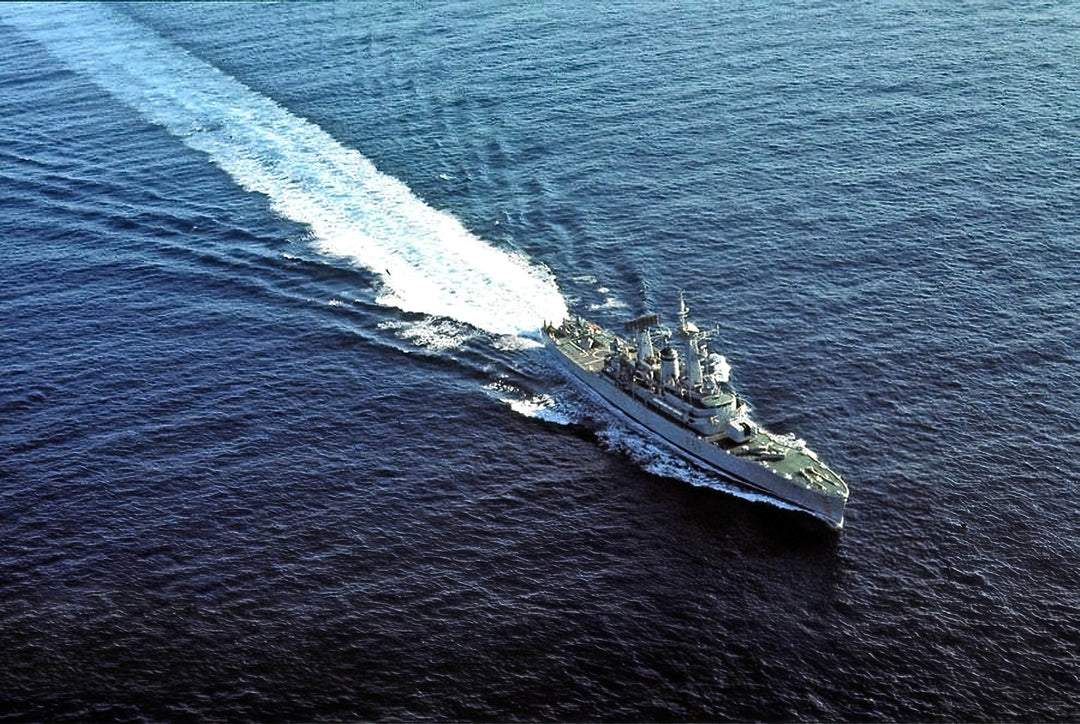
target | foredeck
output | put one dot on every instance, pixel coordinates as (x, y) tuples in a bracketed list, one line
[(587, 347), (790, 459)]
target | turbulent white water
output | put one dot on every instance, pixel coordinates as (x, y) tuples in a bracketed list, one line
[(427, 261)]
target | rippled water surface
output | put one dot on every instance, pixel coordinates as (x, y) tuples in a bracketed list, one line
[(277, 440)]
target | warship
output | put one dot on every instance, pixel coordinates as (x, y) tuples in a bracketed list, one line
[(683, 395)]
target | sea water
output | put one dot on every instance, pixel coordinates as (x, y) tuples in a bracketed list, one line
[(277, 440)]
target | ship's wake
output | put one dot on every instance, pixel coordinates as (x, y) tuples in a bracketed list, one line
[(539, 406), (426, 261)]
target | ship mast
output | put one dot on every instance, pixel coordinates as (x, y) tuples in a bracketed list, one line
[(642, 326), (695, 350)]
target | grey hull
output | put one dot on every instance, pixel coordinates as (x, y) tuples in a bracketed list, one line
[(752, 475)]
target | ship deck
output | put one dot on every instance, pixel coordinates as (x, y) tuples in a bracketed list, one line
[(783, 456), (591, 358)]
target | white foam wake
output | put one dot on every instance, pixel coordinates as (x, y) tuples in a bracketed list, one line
[(539, 406), (427, 261)]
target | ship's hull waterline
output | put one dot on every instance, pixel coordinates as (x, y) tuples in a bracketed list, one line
[(826, 506)]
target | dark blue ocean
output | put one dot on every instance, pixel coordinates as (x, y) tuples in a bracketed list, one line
[(277, 440)]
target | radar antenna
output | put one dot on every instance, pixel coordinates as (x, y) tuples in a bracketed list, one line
[(642, 323)]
